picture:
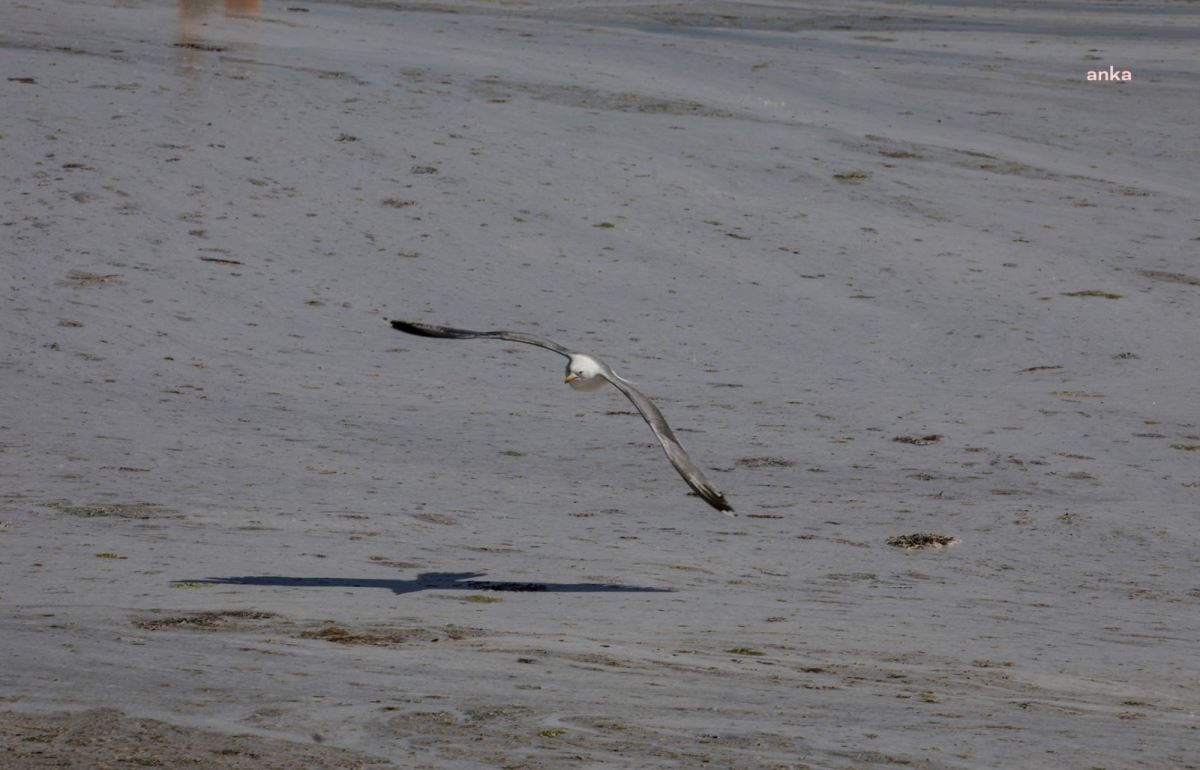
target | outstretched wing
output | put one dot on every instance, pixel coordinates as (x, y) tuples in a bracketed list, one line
[(445, 332), (679, 458)]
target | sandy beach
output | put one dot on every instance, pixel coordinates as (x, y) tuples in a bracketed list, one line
[(889, 268)]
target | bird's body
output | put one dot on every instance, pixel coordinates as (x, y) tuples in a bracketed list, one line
[(585, 373)]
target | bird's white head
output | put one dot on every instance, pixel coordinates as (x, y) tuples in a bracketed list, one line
[(583, 372)]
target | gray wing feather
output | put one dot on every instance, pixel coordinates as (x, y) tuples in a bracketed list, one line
[(445, 332), (679, 458)]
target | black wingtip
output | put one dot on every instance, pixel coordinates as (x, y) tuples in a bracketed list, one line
[(709, 494), (429, 330), (421, 330), (719, 502)]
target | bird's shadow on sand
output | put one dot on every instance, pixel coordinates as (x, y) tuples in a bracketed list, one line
[(426, 581)]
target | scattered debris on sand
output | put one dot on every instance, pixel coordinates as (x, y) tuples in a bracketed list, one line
[(108, 738), (209, 620)]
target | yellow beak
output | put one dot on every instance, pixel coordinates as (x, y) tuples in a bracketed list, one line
[(570, 378)]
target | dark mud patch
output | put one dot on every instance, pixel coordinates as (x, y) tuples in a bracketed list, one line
[(1093, 293), (501, 91), (82, 279), (435, 518), (378, 638), (922, 541), (765, 462), (390, 636), (465, 722), (113, 510), (852, 177), (1163, 275), (199, 46), (932, 438)]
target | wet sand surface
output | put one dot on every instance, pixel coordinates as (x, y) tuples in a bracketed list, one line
[(920, 298)]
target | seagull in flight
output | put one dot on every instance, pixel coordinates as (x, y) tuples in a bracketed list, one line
[(586, 372)]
